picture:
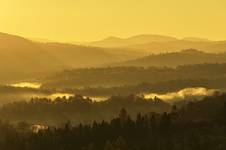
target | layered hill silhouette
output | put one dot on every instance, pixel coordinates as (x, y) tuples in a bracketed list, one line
[(158, 43), (173, 59), (22, 58), (172, 46), (134, 40), (77, 56)]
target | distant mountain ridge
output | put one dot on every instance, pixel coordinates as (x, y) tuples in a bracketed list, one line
[(151, 43), (174, 46), (123, 42)]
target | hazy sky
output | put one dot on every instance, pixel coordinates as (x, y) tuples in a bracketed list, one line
[(82, 20)]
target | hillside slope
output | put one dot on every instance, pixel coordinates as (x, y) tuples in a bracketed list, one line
[(22, 59), (173, 59)]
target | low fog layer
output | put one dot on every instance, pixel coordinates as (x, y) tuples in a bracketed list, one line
[(187, 93), (26, 85), (28, 90)]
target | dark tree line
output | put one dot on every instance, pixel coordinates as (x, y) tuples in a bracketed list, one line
[(148, 131), (119, 76), (78, 109)]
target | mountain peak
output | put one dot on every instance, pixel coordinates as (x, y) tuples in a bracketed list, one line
[(112, 38)]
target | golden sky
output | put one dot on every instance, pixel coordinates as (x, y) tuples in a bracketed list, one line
[(84, 20)]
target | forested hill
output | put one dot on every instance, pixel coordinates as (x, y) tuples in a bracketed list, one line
[(171, 130), (173, 59), (77, 109), (117, 76)]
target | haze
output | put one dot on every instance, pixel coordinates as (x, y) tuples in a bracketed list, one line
[(112, 74), (87, 20)]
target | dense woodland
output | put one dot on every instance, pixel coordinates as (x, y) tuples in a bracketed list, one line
[(182, 128), (119, 76), (159, 87), (173, 59), (77, 109)]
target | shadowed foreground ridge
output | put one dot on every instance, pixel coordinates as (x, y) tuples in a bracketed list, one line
[(173, 130)]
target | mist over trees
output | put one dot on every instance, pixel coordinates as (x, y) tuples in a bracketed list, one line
[(173, 130), (106, 82)]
